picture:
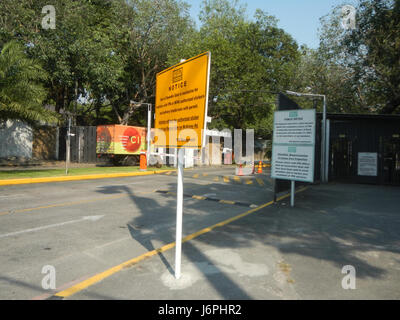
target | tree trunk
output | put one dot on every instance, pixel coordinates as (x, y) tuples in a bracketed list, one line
[(132, 108)]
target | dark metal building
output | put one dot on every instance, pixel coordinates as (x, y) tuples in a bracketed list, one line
[(364, 148)]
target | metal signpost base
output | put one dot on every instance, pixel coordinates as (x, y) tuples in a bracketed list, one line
[(292, 187)]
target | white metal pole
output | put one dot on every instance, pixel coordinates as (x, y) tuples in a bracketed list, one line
[(68, 147), (179, 215), (79, 144), (175, 157), (148, 132), (327, 145), (292, 187), (323, 143)]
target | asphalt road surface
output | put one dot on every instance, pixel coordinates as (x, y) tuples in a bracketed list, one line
[(84, 227), (102, 239)]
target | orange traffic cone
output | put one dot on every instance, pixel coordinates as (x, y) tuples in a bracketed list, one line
[(259, 167), (143, 161)]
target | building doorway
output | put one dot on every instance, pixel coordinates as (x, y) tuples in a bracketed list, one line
[(342, 158)]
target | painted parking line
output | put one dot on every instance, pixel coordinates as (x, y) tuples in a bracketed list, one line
[(109, 272), (65, 204), (237, 179), (6, 182), (233, 180), (120, 185), (72, 203), (196, 197), (260, 182), (12, 196)]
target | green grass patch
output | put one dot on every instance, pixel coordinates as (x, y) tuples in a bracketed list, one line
[(44, 173)]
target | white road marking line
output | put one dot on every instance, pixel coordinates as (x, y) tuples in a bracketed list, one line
[(12, 196), (120, 185), (90, 218)]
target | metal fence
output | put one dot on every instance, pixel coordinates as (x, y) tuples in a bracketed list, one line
[(83, 144)]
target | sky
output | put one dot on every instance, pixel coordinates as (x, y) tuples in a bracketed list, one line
[(299, 18)]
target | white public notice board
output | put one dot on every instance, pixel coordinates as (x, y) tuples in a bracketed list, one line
[(368, 164), (293, 146)]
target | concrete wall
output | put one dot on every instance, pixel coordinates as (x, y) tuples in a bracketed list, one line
[(15, 139), (45, 144)]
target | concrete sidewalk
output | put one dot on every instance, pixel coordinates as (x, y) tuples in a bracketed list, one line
[(279, 252)]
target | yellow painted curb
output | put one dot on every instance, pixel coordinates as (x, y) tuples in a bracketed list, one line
[(80, 177)]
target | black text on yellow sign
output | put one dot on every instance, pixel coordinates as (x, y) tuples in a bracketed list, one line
[(181, 103)]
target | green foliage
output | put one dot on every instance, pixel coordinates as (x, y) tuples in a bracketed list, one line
[(21, 94), (315, 74), (107, 53), (250, 62), (152, 27), (368, 57)]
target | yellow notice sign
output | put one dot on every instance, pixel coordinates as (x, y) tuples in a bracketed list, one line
[(181, 103)]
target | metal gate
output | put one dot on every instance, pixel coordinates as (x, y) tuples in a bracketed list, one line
[(391, 161), (342, 158), (83, 144)]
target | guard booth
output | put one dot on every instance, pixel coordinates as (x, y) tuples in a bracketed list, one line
[(364, 148)]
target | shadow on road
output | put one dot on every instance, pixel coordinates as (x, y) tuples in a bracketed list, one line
[(331, 223), (144, 229)]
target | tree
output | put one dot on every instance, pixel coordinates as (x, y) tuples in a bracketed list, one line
[(251, 61), (377, 46), (107, 52), (315, 74), (370, 53), (152, 28), (76, 54), (21, 94)]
